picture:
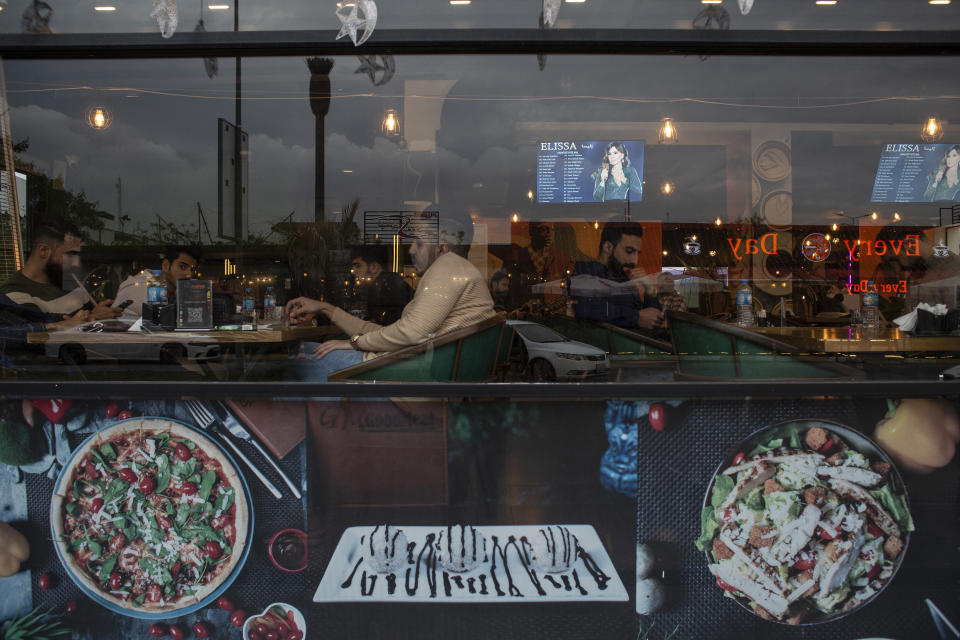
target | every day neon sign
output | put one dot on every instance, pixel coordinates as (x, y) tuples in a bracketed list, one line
[(910, 246)]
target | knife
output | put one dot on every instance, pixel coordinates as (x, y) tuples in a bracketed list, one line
[(944, 626), (238, 430)]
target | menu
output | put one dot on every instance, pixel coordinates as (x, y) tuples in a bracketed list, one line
[(908, 172)]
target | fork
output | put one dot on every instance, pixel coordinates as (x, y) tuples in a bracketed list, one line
[(205, 420)]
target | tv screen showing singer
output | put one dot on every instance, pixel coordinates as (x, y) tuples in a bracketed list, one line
[(570, 172), (917, 172)]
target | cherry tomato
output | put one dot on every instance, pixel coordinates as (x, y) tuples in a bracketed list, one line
[(827, 446), (147, 484), (296, 634), (188, 488), (224, 603), (723, 585), (154, 593), (219, 522), (71, 607), (737, 459), (874, 572), (180, 452), (253, 635), (213, 549), (201, 630), (158, 630), (45, 581), (116, 580), (97, 504), (271, 635), (112, 410), (823, 535), (874, 530), (282, 630), (125, 414), (127, 474), (175, 569), (117, 541), (177, 633), (238, 617), (292, 619), (261, 628), (804, 562), (658, 417), (165, 523)]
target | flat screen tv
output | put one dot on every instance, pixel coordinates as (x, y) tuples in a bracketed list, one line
[(918, 172), (572, 172)]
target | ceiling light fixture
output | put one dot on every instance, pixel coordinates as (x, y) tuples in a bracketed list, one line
[(218, 7), (460, 2), (932, 129), (99, 118), (390, 125), (105, 8), (668, 132), (938, 1), (826, 3)]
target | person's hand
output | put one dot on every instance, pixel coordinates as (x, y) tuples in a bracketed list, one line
[(649, 318), (69, 322), (604, 174), (103, 311), (330, 345), (304, 308), (940, 174)]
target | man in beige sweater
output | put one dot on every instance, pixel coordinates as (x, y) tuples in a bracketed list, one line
[(451, 295)]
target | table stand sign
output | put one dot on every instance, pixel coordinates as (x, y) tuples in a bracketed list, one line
[(194, 305)]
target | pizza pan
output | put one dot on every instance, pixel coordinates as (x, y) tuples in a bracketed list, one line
[(120, 427), (856, 441)]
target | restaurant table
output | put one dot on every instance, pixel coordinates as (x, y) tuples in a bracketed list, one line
[(856, 340), (258, 582), (245, 343)]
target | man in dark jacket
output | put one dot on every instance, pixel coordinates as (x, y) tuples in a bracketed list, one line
[(383, 292)]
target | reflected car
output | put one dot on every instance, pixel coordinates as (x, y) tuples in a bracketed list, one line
[(167, 352), (549, 355)]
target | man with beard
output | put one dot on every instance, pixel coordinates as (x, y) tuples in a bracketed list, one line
[(39, 285), (383, 292), (179, 262), (603, 290), (451, 295)]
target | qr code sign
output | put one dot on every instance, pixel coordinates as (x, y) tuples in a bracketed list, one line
[(195, 315)]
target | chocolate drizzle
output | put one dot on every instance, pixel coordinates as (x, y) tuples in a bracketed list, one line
[(346, 583), (471, 582), (428, 549), (591, 565), (576, 582), (458, 580), (446, 584), (410, 547), (391, 584), (502, 552), (364, 591), (566, 582), (483, 584), (552, 581), (525, 562)]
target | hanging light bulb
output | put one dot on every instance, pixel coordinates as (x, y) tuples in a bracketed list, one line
[(390, 125), (932, 129), (99, 118), (596, 224), (667, 188), (530, 195), (668, 132), (896, 216), (718, 221), (834, 226), (515, 218), (873, 216)]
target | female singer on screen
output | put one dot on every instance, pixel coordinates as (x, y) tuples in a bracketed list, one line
[(615, 177), (944, 184)]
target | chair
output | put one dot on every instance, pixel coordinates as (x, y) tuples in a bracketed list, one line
[(471, 354), (711, 350), (620, 343)]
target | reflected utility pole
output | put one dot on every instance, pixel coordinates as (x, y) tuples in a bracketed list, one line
[(320, 105)]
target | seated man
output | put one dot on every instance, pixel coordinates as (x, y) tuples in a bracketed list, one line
[(500, 289), (607, 290), (39, 285), (383, 292), (178, 263), (17, 320), (451, 295)]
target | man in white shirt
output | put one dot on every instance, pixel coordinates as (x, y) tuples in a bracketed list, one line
[(178, 262)]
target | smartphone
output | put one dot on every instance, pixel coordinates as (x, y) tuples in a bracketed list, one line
[(124, 304)]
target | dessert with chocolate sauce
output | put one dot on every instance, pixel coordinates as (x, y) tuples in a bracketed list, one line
[(387, 547), (460, 548), (554, 549)]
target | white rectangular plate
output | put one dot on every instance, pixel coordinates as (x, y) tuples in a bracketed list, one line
[(350, 578)]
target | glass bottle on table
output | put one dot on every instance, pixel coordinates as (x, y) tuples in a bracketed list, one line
[(269, 306), (745, 305), (248, 310), (870, 307)]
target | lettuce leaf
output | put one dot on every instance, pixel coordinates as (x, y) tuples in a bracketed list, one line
[(708, 528)]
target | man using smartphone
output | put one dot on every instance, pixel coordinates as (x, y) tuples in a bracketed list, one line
[(178, 262)]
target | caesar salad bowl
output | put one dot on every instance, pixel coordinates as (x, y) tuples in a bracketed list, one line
[(804, 500)]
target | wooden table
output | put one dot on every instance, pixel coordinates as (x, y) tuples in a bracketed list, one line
[(855, 340)]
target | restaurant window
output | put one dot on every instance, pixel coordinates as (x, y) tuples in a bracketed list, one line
[(711, 218)]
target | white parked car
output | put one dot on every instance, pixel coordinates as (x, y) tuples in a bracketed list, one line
[(552, 356)]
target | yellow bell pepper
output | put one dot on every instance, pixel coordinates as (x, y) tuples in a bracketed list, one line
[(921, 434), (14, 549)]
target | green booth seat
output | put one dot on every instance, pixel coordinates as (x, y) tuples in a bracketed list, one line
[(471, 354), (710, 350), (622, 344)]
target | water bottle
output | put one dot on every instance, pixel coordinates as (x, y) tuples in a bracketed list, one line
[(269, 305), (744, 305), (248, 311), (870, 303), (156, 288)]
